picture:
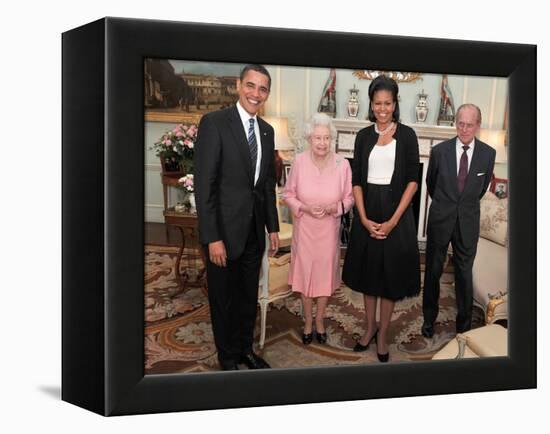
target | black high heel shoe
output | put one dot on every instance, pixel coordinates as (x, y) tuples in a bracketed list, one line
[(321, 337), (307, 338), (359, 347), (383, 358)]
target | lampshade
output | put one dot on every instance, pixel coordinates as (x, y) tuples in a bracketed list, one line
[(280, 125), (496, 139)]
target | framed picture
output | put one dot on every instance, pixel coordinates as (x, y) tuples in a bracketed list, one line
[(424, 146), (177, 92), (344, 143), (103, 216), (499, 186)]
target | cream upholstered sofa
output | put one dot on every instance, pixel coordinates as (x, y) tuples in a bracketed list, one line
[(490, 270), (487, 341)]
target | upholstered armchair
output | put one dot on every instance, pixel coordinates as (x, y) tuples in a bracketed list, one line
[(273, 284), (285, 229)]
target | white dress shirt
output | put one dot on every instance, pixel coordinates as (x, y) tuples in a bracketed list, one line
[(459, 151), (245, 119)]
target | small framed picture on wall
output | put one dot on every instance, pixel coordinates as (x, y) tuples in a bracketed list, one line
[(499, 186)]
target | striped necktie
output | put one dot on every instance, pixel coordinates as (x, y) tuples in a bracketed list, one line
[(252, 144), (463, 170)]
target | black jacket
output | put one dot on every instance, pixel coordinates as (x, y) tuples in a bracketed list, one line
[(225, 193)]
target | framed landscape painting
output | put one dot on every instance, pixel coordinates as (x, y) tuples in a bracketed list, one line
[(178, 91)]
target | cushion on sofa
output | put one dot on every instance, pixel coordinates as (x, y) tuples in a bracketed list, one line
[(487, 341), (494, 219)]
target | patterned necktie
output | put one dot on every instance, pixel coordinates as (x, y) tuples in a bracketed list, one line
[(463, 170), (253, 145)]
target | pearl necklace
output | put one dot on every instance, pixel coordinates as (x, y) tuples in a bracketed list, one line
[(383, 132), (320, 164)]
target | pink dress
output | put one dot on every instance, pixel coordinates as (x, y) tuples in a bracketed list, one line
[(315, 249)]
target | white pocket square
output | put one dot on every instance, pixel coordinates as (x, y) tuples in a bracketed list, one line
[(481, 174)]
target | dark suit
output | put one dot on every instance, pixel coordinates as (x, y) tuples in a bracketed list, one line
[(232, 209), (454, 218)]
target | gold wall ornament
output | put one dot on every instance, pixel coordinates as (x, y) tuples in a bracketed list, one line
[(400, 77)]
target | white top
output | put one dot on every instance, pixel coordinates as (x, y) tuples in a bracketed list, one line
[(245, 119), (459, 151), (382, 163)]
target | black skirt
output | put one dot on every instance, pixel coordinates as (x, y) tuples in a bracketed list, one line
[(388, 268)]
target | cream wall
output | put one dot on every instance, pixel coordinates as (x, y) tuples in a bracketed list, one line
[(296, 92)]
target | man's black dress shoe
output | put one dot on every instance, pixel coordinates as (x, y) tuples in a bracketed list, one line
[(427, 330), (228, 365), (307, 338), (462, 330), (321, 337), (253, 361)]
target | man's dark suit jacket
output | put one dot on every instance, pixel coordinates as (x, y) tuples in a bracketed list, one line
[(225, 193), (448, 206)]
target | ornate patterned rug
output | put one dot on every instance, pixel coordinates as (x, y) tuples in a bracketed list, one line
[(178, 335)]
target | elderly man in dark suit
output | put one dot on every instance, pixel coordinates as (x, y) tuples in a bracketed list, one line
[(459, 173), (235, 194)]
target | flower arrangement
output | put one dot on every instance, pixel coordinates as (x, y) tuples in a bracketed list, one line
[(176, 148), (187, 183)]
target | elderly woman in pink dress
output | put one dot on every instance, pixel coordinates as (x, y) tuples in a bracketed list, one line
[(318, 191)]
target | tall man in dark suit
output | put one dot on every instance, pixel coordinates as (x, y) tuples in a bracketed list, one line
[(235, 195), (458, 175)]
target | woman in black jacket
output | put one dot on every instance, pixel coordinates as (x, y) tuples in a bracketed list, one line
[(382, 259)]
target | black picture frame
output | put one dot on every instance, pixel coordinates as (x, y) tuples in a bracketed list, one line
[(103, 216)]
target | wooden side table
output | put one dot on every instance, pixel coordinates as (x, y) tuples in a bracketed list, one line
[(188, 224), (169, 179)]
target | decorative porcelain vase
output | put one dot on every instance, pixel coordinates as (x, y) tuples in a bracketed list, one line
[(353, 103), (191, 200), (422, 107)]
